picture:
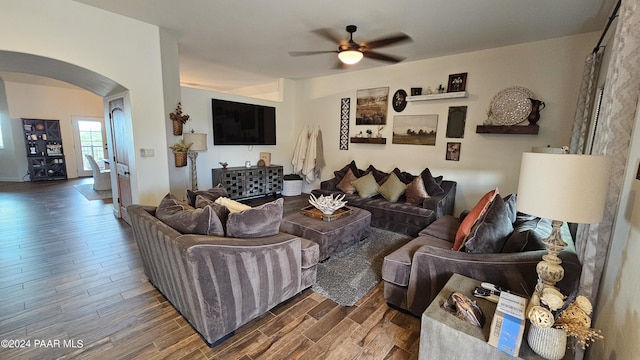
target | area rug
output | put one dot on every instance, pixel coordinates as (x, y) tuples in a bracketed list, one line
[(90, 194), (349, 275)]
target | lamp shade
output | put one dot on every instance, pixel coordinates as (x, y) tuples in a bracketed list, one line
[(198, 140), (350, 57), (563, 187)]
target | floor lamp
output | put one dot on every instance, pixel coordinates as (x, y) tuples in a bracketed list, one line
[(561, 187), (199, 143)]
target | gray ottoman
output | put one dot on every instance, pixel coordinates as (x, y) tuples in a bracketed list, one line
[(331, 236)]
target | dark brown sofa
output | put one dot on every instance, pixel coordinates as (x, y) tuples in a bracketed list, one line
[(396, 216), (220, 283), (414, 274)]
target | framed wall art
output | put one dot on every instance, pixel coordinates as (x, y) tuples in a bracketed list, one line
[(415, 129), (456, 121), (345, 111), (399, 101), (457, 82), (371, 106), (453, 151)]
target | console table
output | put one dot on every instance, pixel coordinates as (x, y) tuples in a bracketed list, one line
[(247, 182), (444, 336)]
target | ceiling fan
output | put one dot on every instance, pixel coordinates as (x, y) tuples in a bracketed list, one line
[(351, 52)]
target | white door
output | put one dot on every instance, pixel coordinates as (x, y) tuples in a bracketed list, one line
[(90, 138)]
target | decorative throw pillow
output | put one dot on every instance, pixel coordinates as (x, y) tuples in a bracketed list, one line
[(339, 174), (510, 204), (415, 192), (366, 186), (212, 194), (430, 183), (232, 205), (393, 188), (345, 184), (489, 234), (380, 176), (260, 221), (188, 220), (469, 220), (404, 176), (220, 210)]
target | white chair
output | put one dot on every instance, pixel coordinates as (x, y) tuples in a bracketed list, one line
[(101, 177)]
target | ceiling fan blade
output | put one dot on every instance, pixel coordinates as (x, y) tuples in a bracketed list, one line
[(387, 41), (383, 57), (304, 53), (330, 35)]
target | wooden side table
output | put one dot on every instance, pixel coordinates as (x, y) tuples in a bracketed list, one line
[(444, 336)]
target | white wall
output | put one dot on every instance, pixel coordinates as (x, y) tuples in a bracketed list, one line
[(197, 103), (119, 48), (52, 103), (552, 69), (12, 155)]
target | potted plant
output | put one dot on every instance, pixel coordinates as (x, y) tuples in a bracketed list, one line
[(179, 119), (180, 152)]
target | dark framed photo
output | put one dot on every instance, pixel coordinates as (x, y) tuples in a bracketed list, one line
[(399, 100), (453, 151), (457, 82)]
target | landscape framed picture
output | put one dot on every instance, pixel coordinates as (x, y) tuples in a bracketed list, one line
[(371, 106), (415, 129)]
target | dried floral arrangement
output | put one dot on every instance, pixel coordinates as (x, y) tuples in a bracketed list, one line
[(550, 308), (178, 115), (180, 146)]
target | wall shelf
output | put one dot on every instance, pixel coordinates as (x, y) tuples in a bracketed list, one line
[(451, 95), (368, 140), (513, 129)]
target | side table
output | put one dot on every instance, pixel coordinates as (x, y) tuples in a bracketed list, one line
[(444, 336)]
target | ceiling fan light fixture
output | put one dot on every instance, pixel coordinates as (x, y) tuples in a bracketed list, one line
[(350, 57)]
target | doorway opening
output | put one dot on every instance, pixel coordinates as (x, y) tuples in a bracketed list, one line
[(91, 139)]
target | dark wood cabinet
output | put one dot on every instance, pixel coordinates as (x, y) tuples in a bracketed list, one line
[(45, 155), (248, 182)]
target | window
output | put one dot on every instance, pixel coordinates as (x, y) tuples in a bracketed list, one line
[(91, 142)]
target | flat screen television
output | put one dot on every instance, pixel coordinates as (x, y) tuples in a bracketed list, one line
[(236, 123)]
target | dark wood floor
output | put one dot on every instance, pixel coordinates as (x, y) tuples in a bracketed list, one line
[(72, 286)]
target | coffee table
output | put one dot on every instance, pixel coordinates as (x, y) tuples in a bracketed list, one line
[(331, 236)]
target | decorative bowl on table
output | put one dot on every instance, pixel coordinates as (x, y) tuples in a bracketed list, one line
[(327, 204)]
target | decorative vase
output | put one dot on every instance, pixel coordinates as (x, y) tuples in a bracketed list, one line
[(549, 343), (180, 158), (177, 128)]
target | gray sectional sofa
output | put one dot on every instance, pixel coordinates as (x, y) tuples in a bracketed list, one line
[(415, 273), (220, 283), (398, 216)]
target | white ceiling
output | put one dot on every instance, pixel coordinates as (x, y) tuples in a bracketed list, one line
[(225, 44)]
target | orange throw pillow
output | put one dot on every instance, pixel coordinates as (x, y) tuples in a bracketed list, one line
[(473, 216)]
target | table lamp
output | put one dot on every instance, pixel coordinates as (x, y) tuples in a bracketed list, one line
[(199, 143), (562, 187)]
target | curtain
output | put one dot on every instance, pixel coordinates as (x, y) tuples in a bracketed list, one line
[(582, 119), (612, 138)]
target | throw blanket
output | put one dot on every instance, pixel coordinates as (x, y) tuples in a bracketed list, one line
[(308, 156)]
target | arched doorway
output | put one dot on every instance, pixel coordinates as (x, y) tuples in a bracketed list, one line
[(86, 79)]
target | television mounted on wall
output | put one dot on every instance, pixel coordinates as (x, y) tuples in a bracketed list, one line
[(236, 123)]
